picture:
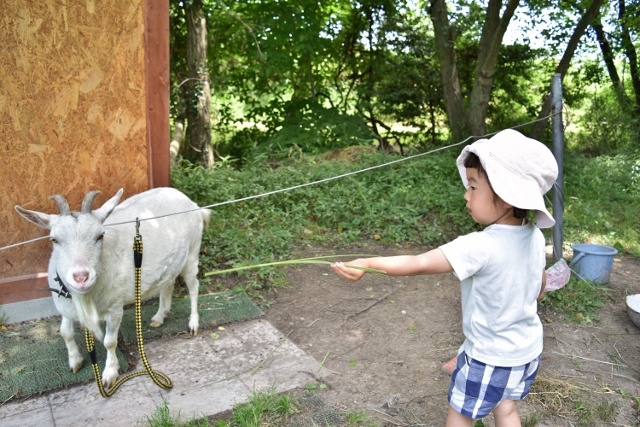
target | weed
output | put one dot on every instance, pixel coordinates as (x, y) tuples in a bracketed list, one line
[(3, 317), (162, 418), (263, 409), (531, 420), (314, 387), (607, 411), (358, 418), (578, 301), (585, 414)]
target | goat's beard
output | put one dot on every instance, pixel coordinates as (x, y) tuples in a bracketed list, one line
[(88, 315)]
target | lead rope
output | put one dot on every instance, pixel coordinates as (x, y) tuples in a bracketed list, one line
[(159, 378)]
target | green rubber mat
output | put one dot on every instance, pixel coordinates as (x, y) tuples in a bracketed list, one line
[(33, 357)]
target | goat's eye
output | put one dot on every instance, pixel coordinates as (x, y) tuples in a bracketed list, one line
[(53, 240), (99, 238)]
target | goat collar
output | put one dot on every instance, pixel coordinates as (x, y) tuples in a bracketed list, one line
[(63, 291)]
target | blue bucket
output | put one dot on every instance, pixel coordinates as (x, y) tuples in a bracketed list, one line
[(593, 262)]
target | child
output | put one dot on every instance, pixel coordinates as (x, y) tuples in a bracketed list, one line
[(502, 274)]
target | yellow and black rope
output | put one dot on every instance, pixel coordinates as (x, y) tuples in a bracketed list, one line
[(159, 378)]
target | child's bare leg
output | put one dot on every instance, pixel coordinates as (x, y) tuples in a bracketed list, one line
[(456, 419), (506, 414)]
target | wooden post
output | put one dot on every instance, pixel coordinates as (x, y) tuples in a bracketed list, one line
[(557, 134)]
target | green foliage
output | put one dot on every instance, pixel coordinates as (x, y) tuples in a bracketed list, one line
[(313, 388), (531, 420), (605, 126), (311, 128), (578, 301), (521, 79), (262, 409), (359, 418), (588, 416), (162, 418), (602, 199)]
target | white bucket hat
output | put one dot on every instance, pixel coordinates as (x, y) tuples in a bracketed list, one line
[(520, 169)]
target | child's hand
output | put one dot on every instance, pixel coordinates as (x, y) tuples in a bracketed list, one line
[(350, 274)]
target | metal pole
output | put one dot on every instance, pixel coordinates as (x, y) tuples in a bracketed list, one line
[(557, 134)]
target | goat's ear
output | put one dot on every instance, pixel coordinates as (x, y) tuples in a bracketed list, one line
[(105, 210), (38, 218)]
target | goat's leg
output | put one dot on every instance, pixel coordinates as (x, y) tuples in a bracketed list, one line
[(75, 357), (110, 373), (190, 276), (164, 305)]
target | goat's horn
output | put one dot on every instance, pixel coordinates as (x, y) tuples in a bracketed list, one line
[(62, 204), (88, 201)]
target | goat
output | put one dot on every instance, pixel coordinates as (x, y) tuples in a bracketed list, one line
[(95, 262)]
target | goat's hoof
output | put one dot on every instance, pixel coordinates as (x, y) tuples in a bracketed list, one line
[(155, 324), (193, 332), (75, 367), (109, 380)]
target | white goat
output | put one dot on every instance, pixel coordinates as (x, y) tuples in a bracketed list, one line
[(95, 262)]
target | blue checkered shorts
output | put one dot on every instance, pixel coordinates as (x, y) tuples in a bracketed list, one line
[(477, 388)]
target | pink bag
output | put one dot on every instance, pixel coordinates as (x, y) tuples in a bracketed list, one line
[(558, 275)]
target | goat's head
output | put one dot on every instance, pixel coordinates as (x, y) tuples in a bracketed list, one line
[(76, 237)]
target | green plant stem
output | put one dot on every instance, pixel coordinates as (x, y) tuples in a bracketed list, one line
[(316, 260)]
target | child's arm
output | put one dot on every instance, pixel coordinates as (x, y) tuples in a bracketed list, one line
[(544, 284), (432, 262)]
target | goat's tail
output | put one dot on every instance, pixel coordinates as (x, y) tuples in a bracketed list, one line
[(206, 215)]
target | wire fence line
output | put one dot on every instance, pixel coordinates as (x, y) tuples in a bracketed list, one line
[(307, 184)]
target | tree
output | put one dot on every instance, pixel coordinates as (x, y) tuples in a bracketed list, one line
[(563, 66), (625, 18), (197, 90), (463, 121)]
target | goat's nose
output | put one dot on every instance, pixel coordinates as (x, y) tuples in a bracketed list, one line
[(81, 277)]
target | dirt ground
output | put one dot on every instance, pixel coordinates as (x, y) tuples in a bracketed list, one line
[(386, 338)]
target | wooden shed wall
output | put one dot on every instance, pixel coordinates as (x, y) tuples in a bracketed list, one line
[(75, 114)]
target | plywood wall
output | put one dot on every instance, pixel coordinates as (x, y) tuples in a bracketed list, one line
[(72, 112)]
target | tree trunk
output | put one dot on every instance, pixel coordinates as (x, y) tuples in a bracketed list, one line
[(445, 40), (177, 140), (563, 66), (630, 53), (488, 49), (197, 145), (609, 58), (463, 124)]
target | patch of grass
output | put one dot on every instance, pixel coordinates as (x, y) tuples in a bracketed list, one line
[(607, 411), (162, 418), (602, 200), (359, 418), (586, 416), (531, 420), (578, 301), (262, 409)]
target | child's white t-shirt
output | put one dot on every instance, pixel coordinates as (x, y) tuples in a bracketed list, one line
[(500, 269)]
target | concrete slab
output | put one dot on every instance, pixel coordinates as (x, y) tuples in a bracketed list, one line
[(16, 312), (210, 375)]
